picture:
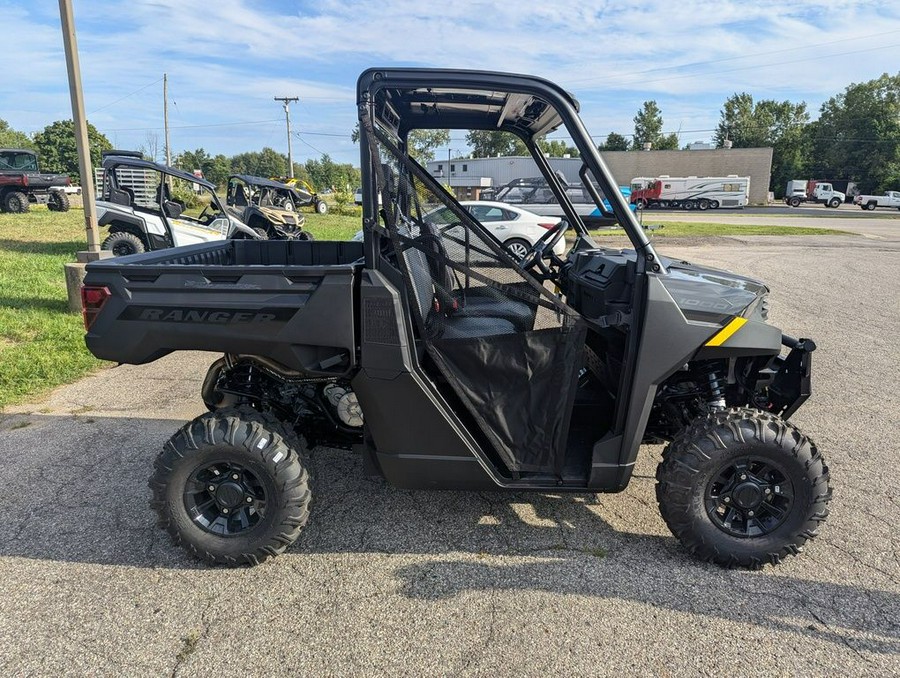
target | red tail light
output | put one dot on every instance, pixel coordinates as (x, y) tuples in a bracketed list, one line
[(548, 226), (92, 300)]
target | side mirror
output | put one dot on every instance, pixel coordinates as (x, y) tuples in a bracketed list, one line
[(172, 209)]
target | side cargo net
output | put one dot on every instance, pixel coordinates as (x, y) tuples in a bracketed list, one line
[(508, 347)]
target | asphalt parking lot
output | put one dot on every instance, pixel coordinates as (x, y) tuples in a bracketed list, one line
[(392, 582)]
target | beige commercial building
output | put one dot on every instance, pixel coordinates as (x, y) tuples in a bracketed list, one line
[(469, 176)]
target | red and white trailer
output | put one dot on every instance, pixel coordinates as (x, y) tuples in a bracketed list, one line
[(690, 193)]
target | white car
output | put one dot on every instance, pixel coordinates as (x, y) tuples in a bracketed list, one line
[(517, 229)]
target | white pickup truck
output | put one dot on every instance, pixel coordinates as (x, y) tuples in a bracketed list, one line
[(870, 202)]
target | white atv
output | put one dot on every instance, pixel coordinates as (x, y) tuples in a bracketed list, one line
[(148, 207)]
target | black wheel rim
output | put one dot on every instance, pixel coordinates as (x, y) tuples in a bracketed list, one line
[(749, 497), (225, 499), (123, 249)]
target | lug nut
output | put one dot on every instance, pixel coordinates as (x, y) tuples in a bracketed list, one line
[(224, 510), (768, 491), (235, 476), (212, 488), (743, 476), (249, 500), (727, 499), (750, 513)]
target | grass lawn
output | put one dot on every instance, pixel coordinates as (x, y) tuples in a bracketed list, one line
[(41, 343)]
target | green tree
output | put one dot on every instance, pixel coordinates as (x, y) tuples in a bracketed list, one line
[(857, 135), (556, 148), (648, 124), (779, 124), (422, 142), (11, 138), (493, 143), (614, 142), (325, 173), (215, 168), (265, 163), (55, 145)]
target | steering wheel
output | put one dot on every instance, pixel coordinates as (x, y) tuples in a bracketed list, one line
[(536, 255), (204, 217)]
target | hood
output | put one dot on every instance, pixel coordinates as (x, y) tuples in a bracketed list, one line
[(710, 294)]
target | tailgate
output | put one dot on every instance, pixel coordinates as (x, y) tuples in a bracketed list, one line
[(291, 301)]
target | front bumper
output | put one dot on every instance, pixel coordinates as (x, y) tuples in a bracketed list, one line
[(791, 385)]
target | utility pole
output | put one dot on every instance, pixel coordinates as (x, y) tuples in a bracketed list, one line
[(74, 272), (166, 116), (78, 117), (286, 102)]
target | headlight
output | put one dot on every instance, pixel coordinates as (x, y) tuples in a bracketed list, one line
[(760, 304)]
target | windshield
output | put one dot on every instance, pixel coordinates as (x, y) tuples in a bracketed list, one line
[(15, 160)]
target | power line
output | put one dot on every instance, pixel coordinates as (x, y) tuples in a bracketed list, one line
[(218, 124), (113, 103)]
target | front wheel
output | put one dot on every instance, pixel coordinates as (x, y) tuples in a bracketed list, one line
[(321, 207), (834, 203), (713, 204), (517, 248), (230, 487), (741, 488), (59, 202)]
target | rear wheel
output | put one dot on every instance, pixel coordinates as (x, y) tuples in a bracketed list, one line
[(713, 204), (231, 488), (794, 202), (743, 488), (261, 232), (123, 243), (517, 248), (59, 202), (16, 202), (871, 206), (703, 204)]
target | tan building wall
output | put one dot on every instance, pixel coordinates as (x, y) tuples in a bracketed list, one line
[(755, 163)]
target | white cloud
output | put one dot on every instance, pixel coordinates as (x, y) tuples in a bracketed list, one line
[(226, 61)]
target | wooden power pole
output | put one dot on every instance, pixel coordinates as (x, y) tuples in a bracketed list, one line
[(286, 102), (81, 136)]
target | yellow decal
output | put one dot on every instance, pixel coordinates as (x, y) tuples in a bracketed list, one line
[(725, 333)]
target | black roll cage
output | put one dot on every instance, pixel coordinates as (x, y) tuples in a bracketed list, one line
[(474, 87)]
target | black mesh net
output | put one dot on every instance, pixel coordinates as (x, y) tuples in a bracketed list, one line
[(509, 348)]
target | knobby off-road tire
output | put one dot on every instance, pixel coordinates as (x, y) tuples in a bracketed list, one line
[(59, 202), (700, 480), (16, 202), (235, 459), (123, 243)]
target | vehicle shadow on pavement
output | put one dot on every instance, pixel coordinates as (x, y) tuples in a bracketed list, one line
[(76, 489)]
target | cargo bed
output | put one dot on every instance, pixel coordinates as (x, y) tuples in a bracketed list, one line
[(231, 296)]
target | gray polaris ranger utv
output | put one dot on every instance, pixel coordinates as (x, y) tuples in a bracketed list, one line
[(447, 364)]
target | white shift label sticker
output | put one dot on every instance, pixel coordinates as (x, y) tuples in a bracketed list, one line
[(262, 443), (278, 457)]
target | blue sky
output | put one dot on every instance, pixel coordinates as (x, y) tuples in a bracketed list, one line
[(227, 59)]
